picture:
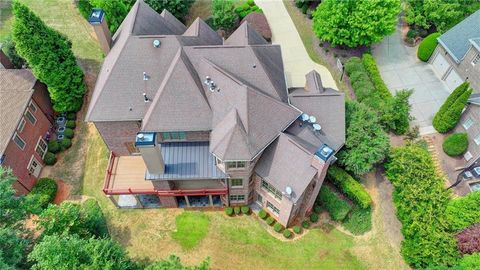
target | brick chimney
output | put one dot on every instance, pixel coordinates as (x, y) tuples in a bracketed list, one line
[(99, 22)]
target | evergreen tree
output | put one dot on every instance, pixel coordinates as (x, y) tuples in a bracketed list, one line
[(224, 15)]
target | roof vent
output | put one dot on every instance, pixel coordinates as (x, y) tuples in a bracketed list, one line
[(304, 117), (317, 127), (312, 119), (254, 65), (156, 43), (145, 98), (140, 136), (211, 85), (145, 76), (288, 190)]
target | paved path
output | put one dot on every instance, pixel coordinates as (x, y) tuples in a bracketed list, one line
[(296, 61), (401, 69)]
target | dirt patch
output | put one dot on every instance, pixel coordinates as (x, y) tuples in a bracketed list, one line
[(63, 192)]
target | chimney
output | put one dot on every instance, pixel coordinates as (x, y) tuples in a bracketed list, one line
[(146, 142), (99, 22)]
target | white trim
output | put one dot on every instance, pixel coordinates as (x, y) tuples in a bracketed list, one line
[(38, 144), (25, 114), (31, 103), (475, 59), (22, 124), (30, 165), (24, 143)]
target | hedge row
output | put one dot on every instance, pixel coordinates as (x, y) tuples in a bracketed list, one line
[(421, 200), (237, 210), (337, 207), (450, 112), (463, 212), (427, 47), (349, 186), (372, 69)]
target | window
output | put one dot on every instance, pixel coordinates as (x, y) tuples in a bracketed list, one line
[(21, 125), (273, 209), (131, 148), (467, 156), (259, 199), (174, 136), (467, 123), (476, 59), (30, 117), (237, 198), (32, 106), (271, 189), (41, 147), (18, 141), (477, 139), (236, 182), (236, 164)]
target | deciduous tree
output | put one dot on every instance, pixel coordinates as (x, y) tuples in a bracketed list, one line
[(224, 15)]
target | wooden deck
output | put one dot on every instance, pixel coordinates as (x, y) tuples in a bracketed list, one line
[(129, 172)]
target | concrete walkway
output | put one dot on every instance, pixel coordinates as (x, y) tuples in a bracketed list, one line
[(296, 61), (401, 69)]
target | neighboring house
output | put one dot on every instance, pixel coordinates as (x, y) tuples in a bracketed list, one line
[(457, 56), (193, 120), (26, 115)]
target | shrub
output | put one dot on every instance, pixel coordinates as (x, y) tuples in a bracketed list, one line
[(262, 214), (317, 209), (359, 221), (68, 133), (287, 234), (421, 200), (245, 209), (277, 227), (353, 64), (84, 7), (298, 3), (463, 212), (237, 210), (337, 207), (53, 146), (50, 158), (70, 124), (65, 144), (270, 221), (349, 186), (455, 144), (397, 112), (449, 113), (229, 211), (374, 74), (93, 219), (304, 8), (470, 262), (71, 116), (246, 9), (313, 217), (306, 224), (297, 229), (469, 240), (427, 47), (41, 195), (412, 33), (224, 15)]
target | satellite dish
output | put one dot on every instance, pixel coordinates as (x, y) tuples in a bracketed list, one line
[(316, 127), (288, 190), (305, 117), (312, 119)]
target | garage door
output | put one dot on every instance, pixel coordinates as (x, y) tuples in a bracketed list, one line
[(453, 80), (440, 65)]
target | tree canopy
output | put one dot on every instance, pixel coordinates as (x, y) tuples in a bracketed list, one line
[(178, 8), (12, 208), (224, 15), (49, 55), (355, 22)]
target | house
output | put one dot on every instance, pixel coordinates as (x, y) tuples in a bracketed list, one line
[(26, 115), (457, 56), (192, 120)]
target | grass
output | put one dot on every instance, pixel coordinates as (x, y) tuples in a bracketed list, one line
[(359, 221), (192, 227), (5, 19)]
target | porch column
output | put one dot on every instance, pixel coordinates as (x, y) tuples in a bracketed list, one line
[(113, 200), (187, 201), (138, 201), (210, 200)]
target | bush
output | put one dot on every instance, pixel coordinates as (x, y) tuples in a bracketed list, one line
[(313, 217), (372, 69), (412, 33), (304, 8), (359, 221), (470, 262), (70, 124), (449, 113), (262, 214), (50, 158), (469, 240), (245, 209), (277, 227), (270, 221), (306, 224), (317, 209), (246, 9), (71, 116), (237, 210), (354, 64), (397, 113), (463, 212), (41, 195), (84, 7), (65, 144), (53, 146), (229, 211), (455, 144), (68, 133), (297, 229), (93, 219), (287, 234), (224, 15), (427, 47), (349, 186), (337, 207)]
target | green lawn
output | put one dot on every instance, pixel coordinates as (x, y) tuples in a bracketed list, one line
[(192, 227), (5, 18)]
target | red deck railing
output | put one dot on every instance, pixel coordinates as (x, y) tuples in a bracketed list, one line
[(177, 192)]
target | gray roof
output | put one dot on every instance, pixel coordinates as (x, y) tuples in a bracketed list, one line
[(456, 41), (286, 163), (245, 35), (328, 107), (187, 161), (16, 89)]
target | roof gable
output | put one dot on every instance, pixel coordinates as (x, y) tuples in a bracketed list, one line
[(244, 35), (201, 29)]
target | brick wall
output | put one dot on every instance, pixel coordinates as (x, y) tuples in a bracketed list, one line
[(42, 99), (118, 134)]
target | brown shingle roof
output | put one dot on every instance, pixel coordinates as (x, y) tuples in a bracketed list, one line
[(245, 35), (259, 22), (16, 89)]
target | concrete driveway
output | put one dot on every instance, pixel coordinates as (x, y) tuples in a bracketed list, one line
[(401, 69), (296, 61)]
